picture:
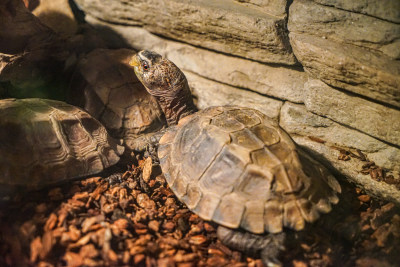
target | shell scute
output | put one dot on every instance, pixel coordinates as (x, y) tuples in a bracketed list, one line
[(163, 150), (184, 139), (253, 217), (292, 216), (230, 210), (193, 196), (228, 124), (281, 151), (76, 135), (273, 216), (255, 184), (245, 138), (247, 117), (49, 142), (48, 138), (211, 112), (112, 119), (179, 186), (206, 206), (268, 135), (265, 158), (202, 152), (224, 173)]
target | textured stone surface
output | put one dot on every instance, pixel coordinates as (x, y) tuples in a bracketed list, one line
[(298, 121), (351, 169), (273, 7), (345, 27), (384, 9), (209, 93), (57, 15), (374, 119), (223, 25), (349, 67), (20, 31), (279, 82), (301, 124)]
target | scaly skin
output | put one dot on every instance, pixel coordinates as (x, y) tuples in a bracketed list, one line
[(164, 80)]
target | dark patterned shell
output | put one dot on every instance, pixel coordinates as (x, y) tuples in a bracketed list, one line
[(237, 167), (106, 86), (44, 142)]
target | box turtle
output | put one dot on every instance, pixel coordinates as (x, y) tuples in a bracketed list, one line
[(45, 142), (106, 87), (234, 165)]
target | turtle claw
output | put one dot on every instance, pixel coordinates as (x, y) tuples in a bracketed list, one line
[(272, 250), (151, 151), (270, 245), (269, 256)]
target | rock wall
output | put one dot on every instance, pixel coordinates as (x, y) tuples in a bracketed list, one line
[(327, 70)]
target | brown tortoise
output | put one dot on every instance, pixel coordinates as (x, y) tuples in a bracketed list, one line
[(45, 142), (234, 166), (105, 86), (39, 139)]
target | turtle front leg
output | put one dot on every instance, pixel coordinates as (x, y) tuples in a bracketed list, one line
[(270, 245), (146, 142)]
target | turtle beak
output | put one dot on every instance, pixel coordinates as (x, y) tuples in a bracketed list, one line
[(135, 62)]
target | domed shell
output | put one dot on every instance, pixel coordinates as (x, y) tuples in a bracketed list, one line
[(45, 142), (106, 86), (237, 167)]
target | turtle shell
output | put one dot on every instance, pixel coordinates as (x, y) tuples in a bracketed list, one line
[(237, 167), (106, 86), (45, 142)]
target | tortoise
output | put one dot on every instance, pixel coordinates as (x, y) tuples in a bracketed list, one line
[(44, 142), (234, 165), (114, 100), (105, 86)]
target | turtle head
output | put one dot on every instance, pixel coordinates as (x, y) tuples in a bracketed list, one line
[(164, 80), (159, 75)]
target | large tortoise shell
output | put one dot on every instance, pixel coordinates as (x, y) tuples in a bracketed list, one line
[(106, 86), (45, 142), (237, 167)]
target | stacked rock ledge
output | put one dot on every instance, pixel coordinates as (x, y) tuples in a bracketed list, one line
[(374, 119), (274, 81), (224, 25), (348, 67)]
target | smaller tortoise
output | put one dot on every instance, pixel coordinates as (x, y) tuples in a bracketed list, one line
[(234, 166), (105, 86), (44, 142)]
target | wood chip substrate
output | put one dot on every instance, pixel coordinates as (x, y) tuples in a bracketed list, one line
[(131, 218)]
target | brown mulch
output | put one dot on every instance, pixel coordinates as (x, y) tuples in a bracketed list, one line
[(369, 167), (133, 219)]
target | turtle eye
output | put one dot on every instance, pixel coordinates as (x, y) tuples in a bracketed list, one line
[(145, 65)]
